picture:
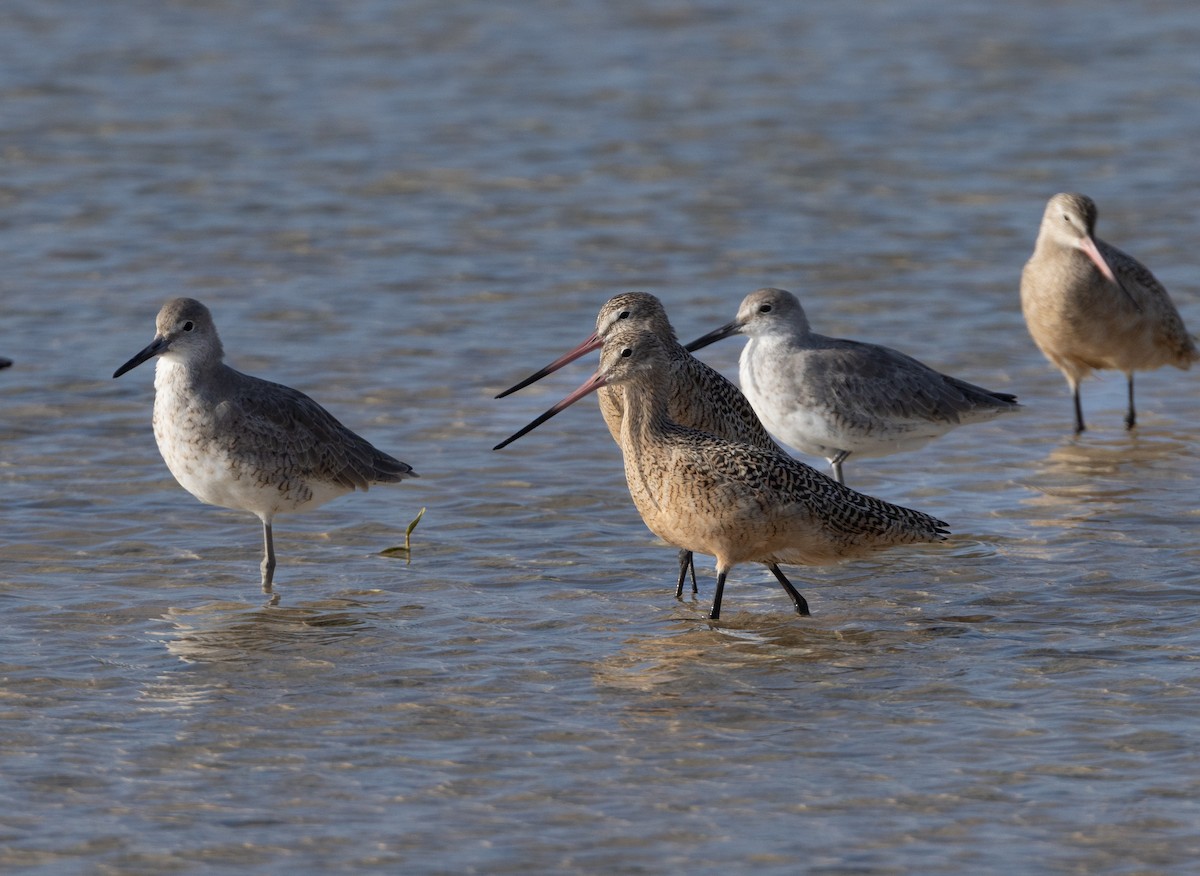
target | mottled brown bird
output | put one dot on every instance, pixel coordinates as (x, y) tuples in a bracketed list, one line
[(735, 501), (697, 396)]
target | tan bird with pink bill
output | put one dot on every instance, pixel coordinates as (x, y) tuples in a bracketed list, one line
[(1089, 306), (734, 501), (698, 396)]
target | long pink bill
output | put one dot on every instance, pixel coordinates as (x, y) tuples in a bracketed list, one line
[(592, 343), (1088, 245), (593, 383)]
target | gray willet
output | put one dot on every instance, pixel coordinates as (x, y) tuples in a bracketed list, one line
[(1091, 307), (240, 442), (832, 397), (698, 396), (735, 501)]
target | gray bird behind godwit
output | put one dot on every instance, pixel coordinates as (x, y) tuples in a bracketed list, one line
[(832, 397), (698, 396), (734, 501), (240, 442), (1091, 307)]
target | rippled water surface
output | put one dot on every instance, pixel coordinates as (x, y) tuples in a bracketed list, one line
[(402, 208)]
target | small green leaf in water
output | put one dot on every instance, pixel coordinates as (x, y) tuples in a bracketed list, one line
[(406, 550)]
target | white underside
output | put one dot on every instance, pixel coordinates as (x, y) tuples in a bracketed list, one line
[(809, 431), (776, 395), (211, 474)]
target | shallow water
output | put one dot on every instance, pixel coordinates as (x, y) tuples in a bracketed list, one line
[(402, 209)]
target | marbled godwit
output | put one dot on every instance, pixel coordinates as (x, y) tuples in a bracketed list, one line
[(735, 501), (698, 396), (240, 442), (832, 397), (1090, 306)]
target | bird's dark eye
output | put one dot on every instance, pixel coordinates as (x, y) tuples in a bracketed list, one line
[(766, 308), (624, 314), (188, 326), (627, 352), (1067, 218)]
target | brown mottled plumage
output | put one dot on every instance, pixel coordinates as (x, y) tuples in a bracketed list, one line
[(724, 410), (1089, 306), (240, 442), (738, 502), (697, 396)]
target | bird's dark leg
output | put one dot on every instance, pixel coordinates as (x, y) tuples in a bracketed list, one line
[(1131, 415), (1079, 427), (715, 614), (836, 464), (685, 565), (799, 601), (268, 563)]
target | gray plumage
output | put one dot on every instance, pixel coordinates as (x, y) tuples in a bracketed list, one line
[(241, 442), (1089, 306), (834, 397)]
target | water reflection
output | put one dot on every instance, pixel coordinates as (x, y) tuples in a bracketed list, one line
[(1091, 457), (219, 632), (748, 641), (1091, 476)]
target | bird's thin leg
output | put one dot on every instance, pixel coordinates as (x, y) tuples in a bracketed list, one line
[(268, 563), (1131, 415), (799, 601), (715, 614), (1079, 427), (835, 463), (685, 565)]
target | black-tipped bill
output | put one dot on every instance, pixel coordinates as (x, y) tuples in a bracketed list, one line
[(596, 381), (155, 347), (592, 343), (1089, 248), (715, 335)]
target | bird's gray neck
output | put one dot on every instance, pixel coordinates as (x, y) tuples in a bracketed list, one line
[(187, 375)]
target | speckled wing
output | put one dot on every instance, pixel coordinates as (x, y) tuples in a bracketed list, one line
[(786, 489), (718, 407), (308, 441), (1136, 277), (1153, 298)]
